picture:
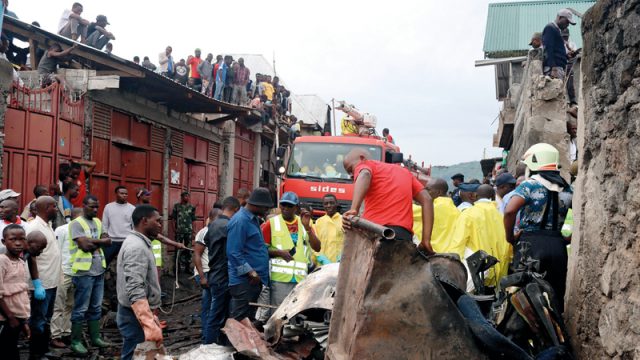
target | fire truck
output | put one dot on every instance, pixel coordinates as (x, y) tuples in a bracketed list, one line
[(312, 166)]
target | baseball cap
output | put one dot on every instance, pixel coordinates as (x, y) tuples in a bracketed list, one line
[(290, 198), (466, 187), (102, 18), (505, 178), (536, 35), (143, 192), (8, 194), (567, 14)]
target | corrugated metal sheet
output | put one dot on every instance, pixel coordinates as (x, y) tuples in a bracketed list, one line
[(511, 24)]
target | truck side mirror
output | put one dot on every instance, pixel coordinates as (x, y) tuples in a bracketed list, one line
[(394, 157), (280, 167), (281, 151)]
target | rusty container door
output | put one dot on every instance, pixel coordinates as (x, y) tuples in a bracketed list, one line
[(243, 159), (30, 130), (389, 304)]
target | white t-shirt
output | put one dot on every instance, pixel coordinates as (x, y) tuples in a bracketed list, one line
[(50, 261), (205, 255), (64, 19), (62, 235)]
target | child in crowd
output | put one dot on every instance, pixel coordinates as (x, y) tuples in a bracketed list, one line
[(14, 296)]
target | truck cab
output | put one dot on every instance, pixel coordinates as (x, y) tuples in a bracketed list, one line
[(313, 167)]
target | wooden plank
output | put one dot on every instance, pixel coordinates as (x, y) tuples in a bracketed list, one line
[(32, 54)]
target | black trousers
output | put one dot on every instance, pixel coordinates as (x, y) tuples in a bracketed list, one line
[(550, 249), (9, 340), (241, 296), (401, 233)]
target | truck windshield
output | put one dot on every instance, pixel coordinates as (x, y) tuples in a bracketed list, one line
[(323, 161)]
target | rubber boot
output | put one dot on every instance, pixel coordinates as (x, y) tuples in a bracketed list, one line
[(94, 333), (76, 339)]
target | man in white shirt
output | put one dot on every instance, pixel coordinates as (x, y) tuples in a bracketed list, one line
[(167, 66), (116, 222), (49, 265), (61, 320), (72, 25)]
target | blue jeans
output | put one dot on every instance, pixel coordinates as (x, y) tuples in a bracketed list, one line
[(87, 300), (131, 331), (111, 251), (42, 311), (218, 311), (219, 88), (204, 308)]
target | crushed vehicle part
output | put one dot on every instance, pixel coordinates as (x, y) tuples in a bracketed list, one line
[(246, 339), (392, 303), (307, 308)]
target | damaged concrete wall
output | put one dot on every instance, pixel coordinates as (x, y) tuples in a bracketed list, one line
[(603, 296), (540, 114)]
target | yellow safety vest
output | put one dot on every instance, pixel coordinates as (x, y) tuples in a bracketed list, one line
[(156, 247), (81, 260), (297, 269)]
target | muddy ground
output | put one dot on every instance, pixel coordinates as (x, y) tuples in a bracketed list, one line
[(183, 321)]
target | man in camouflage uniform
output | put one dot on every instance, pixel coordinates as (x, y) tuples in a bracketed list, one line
[(183, 215)]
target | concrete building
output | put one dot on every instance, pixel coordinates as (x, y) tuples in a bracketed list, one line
[(534, 107)]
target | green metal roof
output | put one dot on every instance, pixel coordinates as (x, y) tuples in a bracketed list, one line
[(511, 24)]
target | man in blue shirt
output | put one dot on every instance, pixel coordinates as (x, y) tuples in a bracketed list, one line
[(555, 54), (247, 255)]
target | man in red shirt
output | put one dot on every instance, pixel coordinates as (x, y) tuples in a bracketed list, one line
[(80, 169), (388, 191), (195, 80)]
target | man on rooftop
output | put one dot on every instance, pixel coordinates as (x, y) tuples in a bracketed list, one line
[(555, 59), (98, 34), (72, 25)]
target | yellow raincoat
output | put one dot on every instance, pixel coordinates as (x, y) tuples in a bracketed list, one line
[(481, 227), (445, 215), (329, 232)]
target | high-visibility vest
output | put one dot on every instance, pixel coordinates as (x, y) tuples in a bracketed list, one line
[(297, 269), (156, 247), (81, 260), (567, 227)]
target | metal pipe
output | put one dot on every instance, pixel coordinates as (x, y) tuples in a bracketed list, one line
[(364, 224)]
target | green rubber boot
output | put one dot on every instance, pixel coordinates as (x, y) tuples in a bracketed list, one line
[(94, 333), (76, 339)]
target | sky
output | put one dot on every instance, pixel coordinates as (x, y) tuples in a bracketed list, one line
[(409, 62)]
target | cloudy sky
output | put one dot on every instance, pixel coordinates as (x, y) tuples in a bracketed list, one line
[(410, 62)]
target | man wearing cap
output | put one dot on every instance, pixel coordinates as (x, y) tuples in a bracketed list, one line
[(195, 80), (455, 194), (9, 215), (247, 255), (183, 215), (555, 59), (290, 239), (467, 193), (536, 40), (98, 34), (505, 183)]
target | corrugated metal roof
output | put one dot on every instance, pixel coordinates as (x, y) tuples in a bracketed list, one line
[(511, 24)]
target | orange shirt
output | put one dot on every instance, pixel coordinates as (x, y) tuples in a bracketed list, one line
[(82, 190)]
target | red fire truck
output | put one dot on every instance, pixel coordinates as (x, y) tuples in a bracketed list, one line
[(312, 167)]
